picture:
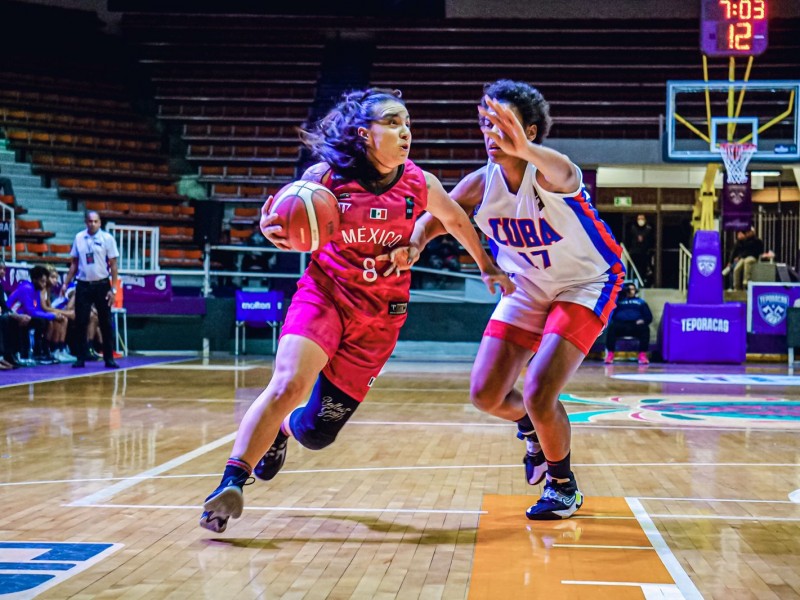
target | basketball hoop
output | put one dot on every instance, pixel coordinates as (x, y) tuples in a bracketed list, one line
[(736, 157)]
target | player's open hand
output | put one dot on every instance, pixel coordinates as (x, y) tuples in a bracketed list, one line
[(509, 134), (274, 233), (494, 276), (402, 259)]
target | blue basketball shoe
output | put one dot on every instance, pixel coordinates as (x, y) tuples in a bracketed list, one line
[(560, 500), (534, 461), (224, 502), (273, 460)]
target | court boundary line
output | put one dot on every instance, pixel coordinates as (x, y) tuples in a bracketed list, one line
[(685, 585), (602, 547), (314, 509), (92, 373), (653, 426), (440, 467), (129, 482), (340, 509)]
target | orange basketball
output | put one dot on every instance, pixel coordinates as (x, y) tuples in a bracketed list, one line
[(308, 213)]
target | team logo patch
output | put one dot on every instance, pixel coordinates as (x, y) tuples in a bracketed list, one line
[(27, 569), (706, 263), (773, 307), (378, 214), (409, 207), (344, 206)]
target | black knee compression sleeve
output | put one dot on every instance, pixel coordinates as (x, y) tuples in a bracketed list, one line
[(317, 424)]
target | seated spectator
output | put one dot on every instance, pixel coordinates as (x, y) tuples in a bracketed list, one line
[(27, 300), (746, 252), (13, 330), (57, 330), (632, 317), (442, 253)]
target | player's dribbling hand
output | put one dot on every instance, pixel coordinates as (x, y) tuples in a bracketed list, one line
[(402, 258), (274, 233), (494, 276)]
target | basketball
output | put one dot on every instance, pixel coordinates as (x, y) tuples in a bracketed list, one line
[(308, 213)]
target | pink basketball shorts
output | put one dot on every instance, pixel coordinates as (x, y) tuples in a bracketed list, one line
[(357, 345)]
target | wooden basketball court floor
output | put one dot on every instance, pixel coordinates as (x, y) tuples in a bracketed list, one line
[(690, 483)]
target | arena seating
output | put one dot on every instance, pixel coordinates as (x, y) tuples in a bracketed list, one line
[(66, 108)]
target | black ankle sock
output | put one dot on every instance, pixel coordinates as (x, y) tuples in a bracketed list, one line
[(238, 469), (525, 425), (559, 469)]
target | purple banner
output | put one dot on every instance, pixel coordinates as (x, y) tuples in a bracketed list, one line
[(146, 288), (737, 206), (259, 307), (704, 333), (13, 276), (768, 306), (705, 277)]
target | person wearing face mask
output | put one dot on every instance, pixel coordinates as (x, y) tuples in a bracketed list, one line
[(640, 242), (632, 317), (344, 320)]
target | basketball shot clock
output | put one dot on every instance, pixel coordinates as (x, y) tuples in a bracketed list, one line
[(733, 27)]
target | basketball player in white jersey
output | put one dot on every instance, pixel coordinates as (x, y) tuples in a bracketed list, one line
[(531, 203)]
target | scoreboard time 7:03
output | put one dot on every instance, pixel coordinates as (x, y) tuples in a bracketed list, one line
[(733, 27)]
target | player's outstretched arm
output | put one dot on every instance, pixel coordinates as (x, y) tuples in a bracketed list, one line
[(457, 223), (559, 172)]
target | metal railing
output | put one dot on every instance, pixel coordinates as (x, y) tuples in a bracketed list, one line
[(630, 268), (12, 225), (684, 267), (781, 234), (138, 247)]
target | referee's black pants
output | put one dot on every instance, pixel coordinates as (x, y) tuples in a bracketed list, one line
[(88, 293)]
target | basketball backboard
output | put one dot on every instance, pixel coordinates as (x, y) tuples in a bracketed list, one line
[(702, 115)]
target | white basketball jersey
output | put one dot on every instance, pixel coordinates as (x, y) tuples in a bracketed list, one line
[(556, 240)]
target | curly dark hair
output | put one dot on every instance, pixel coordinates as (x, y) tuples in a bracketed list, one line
[(534, 109), (37, 272), (335, 139)]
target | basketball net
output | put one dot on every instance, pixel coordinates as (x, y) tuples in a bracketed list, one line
[(736, 157)]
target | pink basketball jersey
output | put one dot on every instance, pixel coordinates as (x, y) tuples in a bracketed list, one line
[(370, 225)]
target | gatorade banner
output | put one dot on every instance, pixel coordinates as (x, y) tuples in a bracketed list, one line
[(147, 288)]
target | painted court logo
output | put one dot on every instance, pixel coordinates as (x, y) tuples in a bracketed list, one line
[(706, 263), (27, 569), (773, 307)]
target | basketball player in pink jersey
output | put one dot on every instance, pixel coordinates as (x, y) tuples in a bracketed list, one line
[(531, 203), (344, 320)]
